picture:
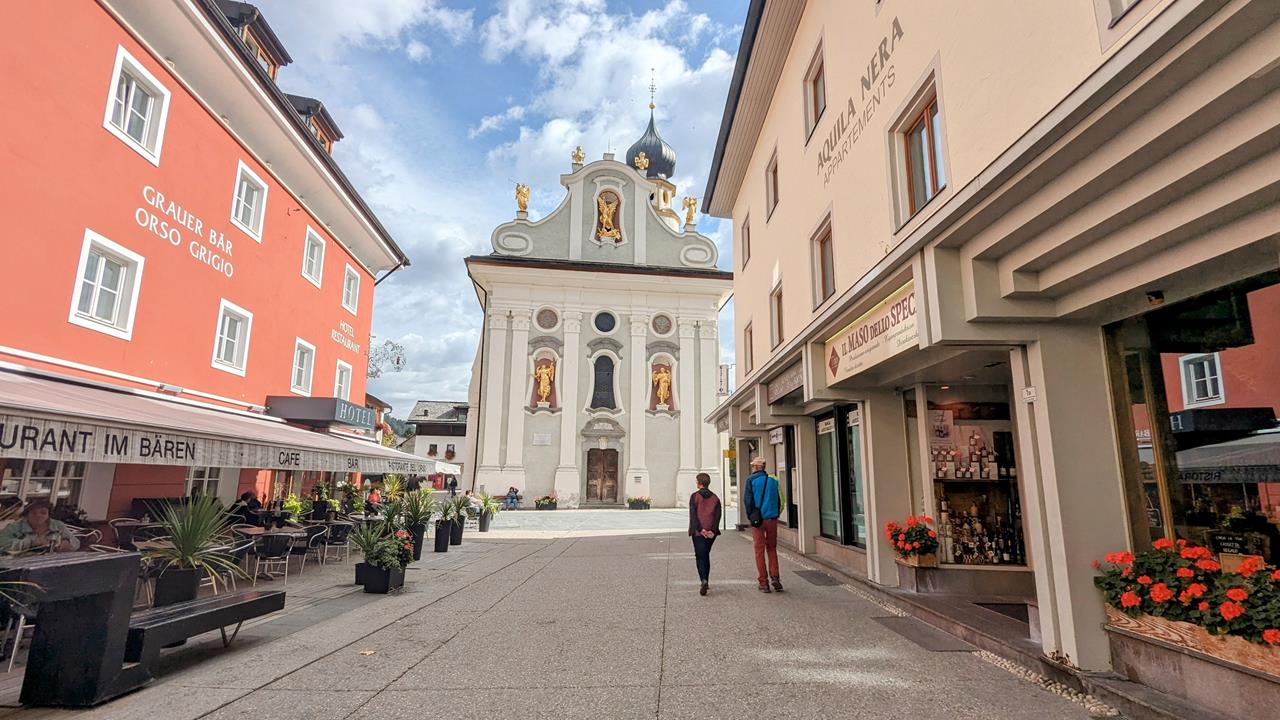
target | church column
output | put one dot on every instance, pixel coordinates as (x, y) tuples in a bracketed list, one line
[(687, 399), (517, 398), (636, 481), (568, 477), (489, 472), (708, 367)]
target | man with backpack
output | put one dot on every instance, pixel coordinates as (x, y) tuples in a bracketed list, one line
[(763, 504)]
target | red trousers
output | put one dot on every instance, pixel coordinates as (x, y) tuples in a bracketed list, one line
[(765, 539)]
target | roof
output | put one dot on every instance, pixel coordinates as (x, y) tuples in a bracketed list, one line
[(240, 14), (745, 48), (223, 24), (373, 400), (438, 411), (309, 107), (661, 156), (587, 266)]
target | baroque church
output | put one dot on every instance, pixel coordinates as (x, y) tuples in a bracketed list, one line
[(599, 354)]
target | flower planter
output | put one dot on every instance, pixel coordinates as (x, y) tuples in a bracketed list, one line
[(930, 560), (485, 520), (455, 532), (379, 580), (175, 585), (443, 532), (638, 506), (418, 533), (545, 506), (1262, 659)]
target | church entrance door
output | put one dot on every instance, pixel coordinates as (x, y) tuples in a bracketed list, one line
[(602, 476)]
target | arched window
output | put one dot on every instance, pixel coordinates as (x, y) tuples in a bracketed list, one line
[(602, 394)]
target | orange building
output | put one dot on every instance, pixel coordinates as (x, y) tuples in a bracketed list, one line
[(188, 274)]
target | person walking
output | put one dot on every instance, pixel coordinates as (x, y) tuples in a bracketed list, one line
[(704, 526), (763, 505)]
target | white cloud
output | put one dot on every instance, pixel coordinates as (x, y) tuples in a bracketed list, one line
[(330, 26), (417, 51), (495, 122)]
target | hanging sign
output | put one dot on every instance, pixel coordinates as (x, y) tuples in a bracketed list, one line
[(777, 436), (827, 426), (883, 331)]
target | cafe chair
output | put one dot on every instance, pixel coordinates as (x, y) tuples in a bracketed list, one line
[(124, 529), (310, 544), (143, 581), (338, 542), (272, 551), (239, 553), (86, 536)]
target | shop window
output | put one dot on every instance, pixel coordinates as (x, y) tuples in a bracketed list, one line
[(1201, 380), (304, 360), (313, 258), (746, 241), (853, 480), (771, 186), (748, 345), (342, 382), (351, 289), (828, 484), (824, 271), (1199, 464), (602, 393), (815, 93), (775, 317), (923, 166), (203, 481), (137, 108), (231, 343), (22, 481), (249, 202), (108, 280)]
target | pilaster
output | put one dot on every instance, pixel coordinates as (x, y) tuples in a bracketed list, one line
[(708, 366), (687, 396), (495, 359), (636, 481), (568, 475), (518, 395)]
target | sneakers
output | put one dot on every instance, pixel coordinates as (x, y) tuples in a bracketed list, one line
[(764, 588), (702, 590), (777, 584)]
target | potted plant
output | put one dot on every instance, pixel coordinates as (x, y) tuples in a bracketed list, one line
[(386, 553), (415, 514), (447, 515), (915, 542), (489, 507), (392, 488), (197, 533), (643, 502), (462, 509), (291, 507), (546, 502)]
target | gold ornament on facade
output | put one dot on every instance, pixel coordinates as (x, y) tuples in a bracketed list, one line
[(690, 207), (579, 155), (522, 197), (662, 384), (606, 221), (545, 375), (641, 162)]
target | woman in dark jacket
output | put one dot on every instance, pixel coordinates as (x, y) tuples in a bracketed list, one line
[(704, 526)]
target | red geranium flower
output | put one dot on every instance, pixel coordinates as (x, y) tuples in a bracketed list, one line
[(1184, 597), (1162, 544), (1251, 565), (1119, 558), (1161, 592), (1275, 575), (902, 536), (911, 521), (1204, 606), (1197, 589), (408, 546), (1237, 594), (1127, 572), (1195, 553), (1208, 565), (926, 519), (1230, 611), (1271, 636), (933, 534), (1144, 579), (1186, 572), (1130, 599)]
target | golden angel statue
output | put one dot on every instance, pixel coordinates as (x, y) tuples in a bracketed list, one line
[(662, 384), (607, 204), (690, 207), (579, 155), (522, 197), (545, 375)]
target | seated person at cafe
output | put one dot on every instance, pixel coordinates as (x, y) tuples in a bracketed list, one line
[(36, 531)]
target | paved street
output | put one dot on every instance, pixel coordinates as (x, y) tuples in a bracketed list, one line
[(583, 627)]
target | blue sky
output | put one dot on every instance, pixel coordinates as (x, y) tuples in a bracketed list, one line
[(447, 104)]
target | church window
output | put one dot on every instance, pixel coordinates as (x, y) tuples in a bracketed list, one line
[(602, 395), (605, 322)]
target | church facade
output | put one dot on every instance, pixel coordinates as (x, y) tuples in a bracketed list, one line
[(600, 347)]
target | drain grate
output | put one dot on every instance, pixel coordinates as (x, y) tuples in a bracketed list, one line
[(817, 578), (926, 636)]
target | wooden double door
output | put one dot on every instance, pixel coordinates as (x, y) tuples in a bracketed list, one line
[(602, 476)]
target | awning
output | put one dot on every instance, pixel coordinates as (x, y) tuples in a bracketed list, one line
[(53, 419)]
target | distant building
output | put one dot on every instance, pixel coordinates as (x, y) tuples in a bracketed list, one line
[(441, 429)]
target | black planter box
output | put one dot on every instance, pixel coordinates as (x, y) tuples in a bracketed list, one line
[(175, 585), (378, 580), (455, 532), (418, 533), (485, 519), (546, 506), (444, 530)]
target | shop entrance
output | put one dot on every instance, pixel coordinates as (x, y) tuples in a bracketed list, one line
[(602, 476)]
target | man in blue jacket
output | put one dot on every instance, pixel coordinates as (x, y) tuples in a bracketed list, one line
[(763, 504)]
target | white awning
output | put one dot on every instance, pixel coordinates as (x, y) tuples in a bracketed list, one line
[(53, 419)]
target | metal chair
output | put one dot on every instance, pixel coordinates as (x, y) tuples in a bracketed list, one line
[(124, 529), (338, 542), (238, 552), (272, 551), (86, 536), (312, 543)]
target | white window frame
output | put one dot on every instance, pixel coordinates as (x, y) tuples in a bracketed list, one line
[(311, 236), (125, 62), (60, 480), (225, 306), (346, 277), (1188, 390), (816, 66), (204, 481), (337, 380), (243, 170), (300, 344), (130, 290)]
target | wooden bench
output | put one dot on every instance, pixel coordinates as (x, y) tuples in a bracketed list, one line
[(151, 630)]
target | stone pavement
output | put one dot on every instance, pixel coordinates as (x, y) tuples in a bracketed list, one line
[(591, 628)]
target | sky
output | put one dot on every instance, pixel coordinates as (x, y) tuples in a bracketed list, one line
[(445, 105)]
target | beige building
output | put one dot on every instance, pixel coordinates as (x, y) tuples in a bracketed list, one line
[(992, 262)]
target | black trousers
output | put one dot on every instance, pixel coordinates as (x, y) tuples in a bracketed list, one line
[(702, 555)]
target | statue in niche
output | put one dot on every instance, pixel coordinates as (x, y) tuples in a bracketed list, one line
[(607, 222), (544, 375), (661, 379)]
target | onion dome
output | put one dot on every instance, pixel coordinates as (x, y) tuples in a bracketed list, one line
[(659, 158)]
